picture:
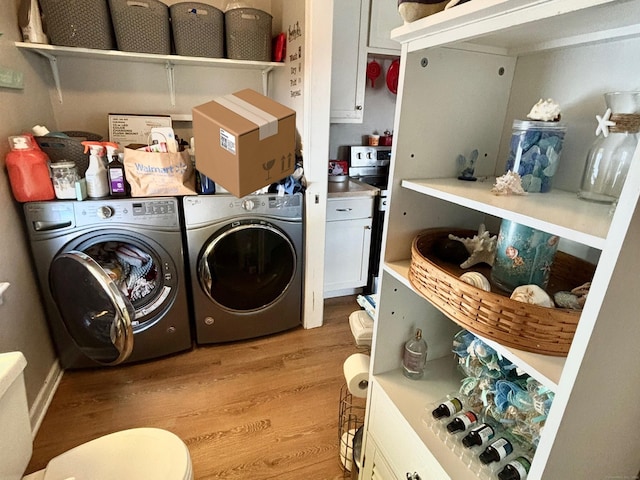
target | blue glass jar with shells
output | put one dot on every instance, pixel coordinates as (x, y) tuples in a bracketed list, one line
[(536, 145), (524, 256)]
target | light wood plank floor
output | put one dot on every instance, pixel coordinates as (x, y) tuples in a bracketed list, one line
[(263, 409)]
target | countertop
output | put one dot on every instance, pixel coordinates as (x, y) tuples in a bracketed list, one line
[(351, 188)]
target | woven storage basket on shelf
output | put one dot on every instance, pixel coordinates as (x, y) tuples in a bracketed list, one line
[(493, 314), (85, 24), (60, 149), (198, 30), (141, 26), (248, 34)]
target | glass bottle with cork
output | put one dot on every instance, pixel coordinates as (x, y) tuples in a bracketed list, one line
[(414, 357)]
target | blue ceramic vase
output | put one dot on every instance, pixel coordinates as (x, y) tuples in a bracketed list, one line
[(524, 256)]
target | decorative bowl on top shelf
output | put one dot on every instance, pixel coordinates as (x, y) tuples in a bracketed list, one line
[(493, 314)]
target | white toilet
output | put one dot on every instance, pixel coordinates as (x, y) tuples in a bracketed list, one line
[(138, 453)]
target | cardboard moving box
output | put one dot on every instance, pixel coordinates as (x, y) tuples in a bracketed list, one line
[(244, 141)]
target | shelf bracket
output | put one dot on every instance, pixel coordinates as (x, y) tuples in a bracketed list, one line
[(265, 81), (171, 81), (53, 64)]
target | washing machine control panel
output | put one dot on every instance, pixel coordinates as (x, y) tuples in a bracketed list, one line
[(149, 212), (105, 212)]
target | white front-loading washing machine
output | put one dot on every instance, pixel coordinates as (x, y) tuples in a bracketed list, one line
[(245, 264), (112, 278)]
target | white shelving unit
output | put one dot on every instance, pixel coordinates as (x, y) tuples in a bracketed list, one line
[(467, 73), (53, 52)]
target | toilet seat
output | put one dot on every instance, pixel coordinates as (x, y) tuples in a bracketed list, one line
[(126, 455)]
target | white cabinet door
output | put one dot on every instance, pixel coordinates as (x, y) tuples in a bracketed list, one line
[(346, 257), (384, 18), (349, 60), (375, 465)]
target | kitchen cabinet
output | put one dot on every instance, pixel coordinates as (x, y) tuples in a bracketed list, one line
[(360, 27), (467, 73), (347, 243), (349, 60), (384, 18)]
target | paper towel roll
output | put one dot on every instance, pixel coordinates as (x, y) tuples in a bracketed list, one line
[(356, 373)]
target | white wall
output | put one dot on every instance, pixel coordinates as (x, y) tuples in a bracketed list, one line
[(22, 321)]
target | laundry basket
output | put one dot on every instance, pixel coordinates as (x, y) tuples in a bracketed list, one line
[(248, 34), (61, 149), (141, 26), (198, 30), (85, 24)]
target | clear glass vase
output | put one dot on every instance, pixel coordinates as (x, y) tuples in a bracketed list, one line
[(610, 156)]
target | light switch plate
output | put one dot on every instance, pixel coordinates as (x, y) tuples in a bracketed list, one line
[(11, 78)]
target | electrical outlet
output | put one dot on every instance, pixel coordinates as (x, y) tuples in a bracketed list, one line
[(10, 78)]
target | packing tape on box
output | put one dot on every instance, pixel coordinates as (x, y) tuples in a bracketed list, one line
[(267, 123), (356, 373)]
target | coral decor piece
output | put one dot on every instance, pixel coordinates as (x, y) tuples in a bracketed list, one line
[(482, 247), (532, 294), (508, 184), (545, 111)]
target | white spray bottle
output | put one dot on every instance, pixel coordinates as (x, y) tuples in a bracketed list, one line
[(96, 174)]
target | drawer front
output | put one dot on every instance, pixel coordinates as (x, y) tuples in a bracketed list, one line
[(401, 446), (349, 208)]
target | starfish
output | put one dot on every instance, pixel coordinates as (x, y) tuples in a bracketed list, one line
[(604, 123)]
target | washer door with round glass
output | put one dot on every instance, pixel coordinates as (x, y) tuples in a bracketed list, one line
[(96, 314), (247, 266), (116, 269)]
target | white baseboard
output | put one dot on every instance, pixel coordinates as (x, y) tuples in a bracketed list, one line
[(342, 293), (43, 400)]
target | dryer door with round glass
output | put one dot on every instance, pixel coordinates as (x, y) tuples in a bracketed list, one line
[(247, 266), (99, 318)]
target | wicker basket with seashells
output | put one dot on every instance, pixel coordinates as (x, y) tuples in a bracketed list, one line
[(493, 314)]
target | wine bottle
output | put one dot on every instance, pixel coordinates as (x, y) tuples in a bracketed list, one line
[(517, 469), (415, 356), (497, 451), (448, 408), (479, 436), (462, 421)]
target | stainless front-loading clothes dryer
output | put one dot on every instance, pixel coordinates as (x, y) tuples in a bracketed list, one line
[(112, 278), (245, 263)]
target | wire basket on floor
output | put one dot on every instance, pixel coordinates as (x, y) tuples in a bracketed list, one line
[(350, 420), (494, 315)]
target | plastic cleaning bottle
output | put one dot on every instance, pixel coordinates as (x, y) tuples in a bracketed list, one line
[(96, 175), (28, 170), (115, 171)]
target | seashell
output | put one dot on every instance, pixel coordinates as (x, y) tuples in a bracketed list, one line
[(532, 294), (508, 184), (477, 280), (569, 300)]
